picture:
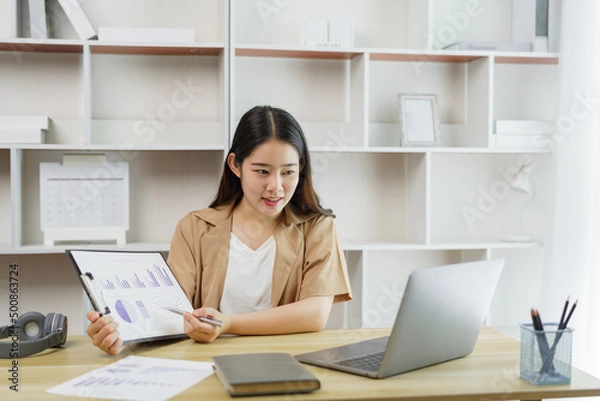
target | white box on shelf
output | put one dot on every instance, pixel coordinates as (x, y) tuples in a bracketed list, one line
[(523, 127), (84, 203), (22, 135), (315, 32), (496, 46), (533, 141), (78, 19), (146, 35), (24, 121), (341, 33)]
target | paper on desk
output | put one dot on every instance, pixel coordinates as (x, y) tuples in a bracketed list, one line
[(137, 378)]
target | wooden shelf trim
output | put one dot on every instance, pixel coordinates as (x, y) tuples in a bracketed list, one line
[(76, 46)]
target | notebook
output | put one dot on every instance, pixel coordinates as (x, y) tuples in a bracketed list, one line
[(439, 319), (263, 373)]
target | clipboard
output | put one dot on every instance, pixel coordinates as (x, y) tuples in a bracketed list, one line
[(134, 288)]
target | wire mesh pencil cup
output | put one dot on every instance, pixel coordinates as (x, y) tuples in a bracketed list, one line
[(546, 355)]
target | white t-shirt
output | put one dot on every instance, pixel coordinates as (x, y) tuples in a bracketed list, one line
[(249, 275)]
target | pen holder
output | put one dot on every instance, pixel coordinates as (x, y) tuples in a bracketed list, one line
[(546, 355)]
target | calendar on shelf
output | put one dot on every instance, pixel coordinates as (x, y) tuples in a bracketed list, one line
[(84, 203)]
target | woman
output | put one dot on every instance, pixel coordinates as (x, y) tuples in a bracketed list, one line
[(265, 256)]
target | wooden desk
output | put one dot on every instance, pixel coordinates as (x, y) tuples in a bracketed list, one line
[(491, 372)]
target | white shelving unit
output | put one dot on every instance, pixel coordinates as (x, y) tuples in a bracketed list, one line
[(170, 110)]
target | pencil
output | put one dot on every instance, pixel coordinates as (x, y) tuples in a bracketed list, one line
[(546, 352), (548, 364), (539, 319), (562, 316), (534, 319), (543, 345), (569, 315)]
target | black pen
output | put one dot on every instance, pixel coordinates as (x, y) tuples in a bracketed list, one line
[(205, 319)]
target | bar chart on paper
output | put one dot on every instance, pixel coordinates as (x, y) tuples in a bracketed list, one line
[(155, 278), (135, 286), (137, 378)]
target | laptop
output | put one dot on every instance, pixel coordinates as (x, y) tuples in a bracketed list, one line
[(439, 319)]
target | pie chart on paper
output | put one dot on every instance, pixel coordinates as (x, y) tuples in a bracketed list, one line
[(126, 310)]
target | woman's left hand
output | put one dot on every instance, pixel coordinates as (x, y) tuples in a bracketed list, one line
[(201, 331)]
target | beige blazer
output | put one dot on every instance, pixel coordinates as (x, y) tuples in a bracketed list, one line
[(309, 260)]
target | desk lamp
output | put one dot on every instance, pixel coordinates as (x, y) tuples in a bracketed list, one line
[(521, 182)]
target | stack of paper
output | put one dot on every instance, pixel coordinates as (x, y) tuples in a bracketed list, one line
[(23, 128)]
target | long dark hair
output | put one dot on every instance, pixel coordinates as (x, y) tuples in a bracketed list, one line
[(259, 125)]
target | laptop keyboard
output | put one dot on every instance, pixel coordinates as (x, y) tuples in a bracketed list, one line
[(369, 362)]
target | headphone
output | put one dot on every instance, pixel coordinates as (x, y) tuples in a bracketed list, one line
[(33, 333)]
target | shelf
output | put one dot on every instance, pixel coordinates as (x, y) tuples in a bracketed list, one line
[(176, 49), (482, 244), (445, 56), (526, 58), (425, 56), (297, 52), (60, 249), (441, 150), (449, 245), (453, 56), (92, 148), (317, 149), (96, 47), (43, 46), (348, 246)]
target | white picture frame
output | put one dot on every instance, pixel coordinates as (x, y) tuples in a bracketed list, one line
[(419, 119)]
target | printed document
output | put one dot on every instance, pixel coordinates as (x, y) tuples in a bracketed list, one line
[(134, 288), (137, 378)]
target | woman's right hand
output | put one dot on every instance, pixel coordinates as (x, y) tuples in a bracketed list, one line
[(104, 334)]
